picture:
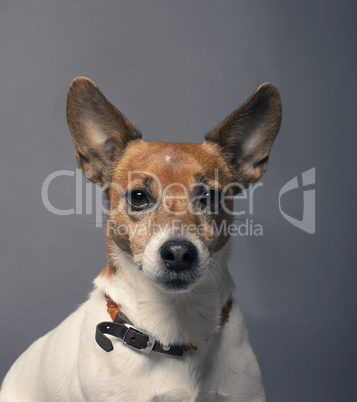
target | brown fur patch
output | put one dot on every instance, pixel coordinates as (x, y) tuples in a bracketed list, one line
[(108, 271), (226, 310)]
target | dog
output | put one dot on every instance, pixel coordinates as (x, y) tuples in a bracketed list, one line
[(161, 323)]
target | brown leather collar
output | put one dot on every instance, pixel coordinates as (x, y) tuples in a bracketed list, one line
[(123, 328)]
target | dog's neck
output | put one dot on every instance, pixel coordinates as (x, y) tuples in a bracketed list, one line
[(180, 318)]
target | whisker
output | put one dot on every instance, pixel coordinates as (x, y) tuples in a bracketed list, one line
[(214, 274)]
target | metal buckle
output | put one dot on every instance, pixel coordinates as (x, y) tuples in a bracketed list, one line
[(149, 345)]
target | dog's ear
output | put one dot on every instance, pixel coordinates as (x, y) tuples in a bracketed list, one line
[(247, 135), (100, 132)]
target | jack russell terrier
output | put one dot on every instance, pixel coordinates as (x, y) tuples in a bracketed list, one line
[(161, 323)]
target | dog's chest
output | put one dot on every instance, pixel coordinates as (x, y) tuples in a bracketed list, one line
[(130, 375), (126, 374)]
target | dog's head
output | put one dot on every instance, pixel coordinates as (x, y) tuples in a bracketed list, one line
[(171, 204)]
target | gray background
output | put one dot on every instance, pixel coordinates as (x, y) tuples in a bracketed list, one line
[(176, 69)]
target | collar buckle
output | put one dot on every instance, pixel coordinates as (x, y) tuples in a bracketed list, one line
[(135, 338)]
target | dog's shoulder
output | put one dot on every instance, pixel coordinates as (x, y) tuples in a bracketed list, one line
[(47, 362)]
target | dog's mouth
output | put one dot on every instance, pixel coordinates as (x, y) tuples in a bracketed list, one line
[(176, 282)]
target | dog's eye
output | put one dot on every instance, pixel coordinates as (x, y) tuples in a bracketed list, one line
[(138, 199), (211, 199)]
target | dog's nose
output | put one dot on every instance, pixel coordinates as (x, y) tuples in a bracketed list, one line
[(178, 255)]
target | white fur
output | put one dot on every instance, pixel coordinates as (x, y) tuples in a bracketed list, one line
[(68, 365)]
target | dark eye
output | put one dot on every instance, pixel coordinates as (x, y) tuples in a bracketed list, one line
[(211, 199), (138, 199)]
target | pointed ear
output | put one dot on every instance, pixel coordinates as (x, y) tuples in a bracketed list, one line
[(100, 132), (247, 135)]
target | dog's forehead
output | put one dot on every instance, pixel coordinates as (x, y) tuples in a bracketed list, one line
[(172, 156), (179, 163)]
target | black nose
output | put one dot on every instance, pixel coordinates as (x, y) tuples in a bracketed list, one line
[(178, 255)]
